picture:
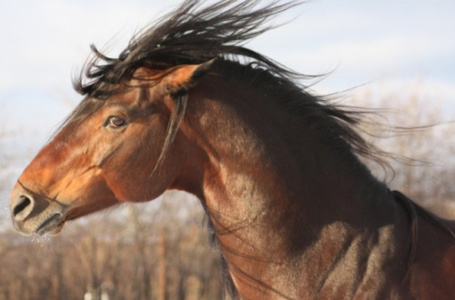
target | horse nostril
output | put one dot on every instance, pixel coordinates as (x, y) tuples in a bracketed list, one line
[(22, 208)]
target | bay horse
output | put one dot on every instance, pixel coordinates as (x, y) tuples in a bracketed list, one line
[(294, 211)]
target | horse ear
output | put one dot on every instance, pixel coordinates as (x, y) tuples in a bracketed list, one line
[(186, 76)]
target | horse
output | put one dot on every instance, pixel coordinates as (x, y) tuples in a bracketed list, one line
[(295, 213)]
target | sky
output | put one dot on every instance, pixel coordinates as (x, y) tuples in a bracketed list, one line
[(380, 44), (45, 42)]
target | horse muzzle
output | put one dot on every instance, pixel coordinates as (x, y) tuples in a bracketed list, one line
[(32, 214)]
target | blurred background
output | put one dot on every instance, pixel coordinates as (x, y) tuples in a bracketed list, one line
[(395, 55)]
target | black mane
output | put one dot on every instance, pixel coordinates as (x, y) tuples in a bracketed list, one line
[(192, 34)]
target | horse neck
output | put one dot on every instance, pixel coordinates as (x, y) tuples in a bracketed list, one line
[(273, 196)]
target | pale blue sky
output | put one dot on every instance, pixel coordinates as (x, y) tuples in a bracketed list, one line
[(396, 42), (388, 44)]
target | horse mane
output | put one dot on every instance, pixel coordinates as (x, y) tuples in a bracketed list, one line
[(191, 34)]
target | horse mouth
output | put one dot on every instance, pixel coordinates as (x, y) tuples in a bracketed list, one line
[(53, 225)]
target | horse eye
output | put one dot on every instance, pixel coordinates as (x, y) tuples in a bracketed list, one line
[(115, 122)]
